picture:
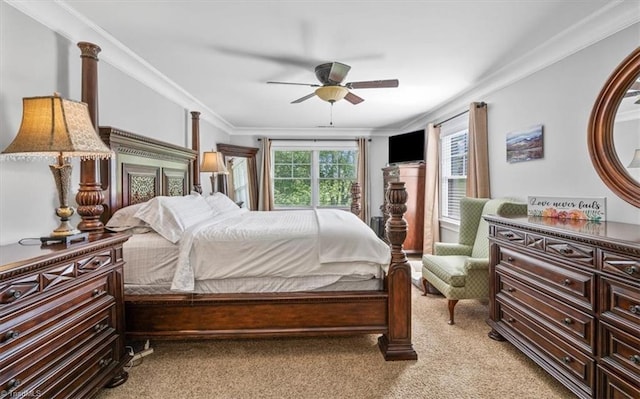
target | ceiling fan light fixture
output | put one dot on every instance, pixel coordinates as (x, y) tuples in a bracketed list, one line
[(331, 93), (635, 162)]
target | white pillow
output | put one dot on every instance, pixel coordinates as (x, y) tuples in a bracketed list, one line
[(171, 216), (220, 203), (124, 219)]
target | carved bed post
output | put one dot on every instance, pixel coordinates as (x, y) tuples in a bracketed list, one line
[(90, 196), (195, 145), (396, 343), (356, 196)]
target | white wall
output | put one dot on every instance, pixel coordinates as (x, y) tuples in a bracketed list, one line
[(560, 97), (36, 61)]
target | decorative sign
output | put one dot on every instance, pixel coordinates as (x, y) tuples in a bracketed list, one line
[(590, 208)]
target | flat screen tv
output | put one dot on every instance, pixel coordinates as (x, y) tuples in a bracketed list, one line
[(406, 147)]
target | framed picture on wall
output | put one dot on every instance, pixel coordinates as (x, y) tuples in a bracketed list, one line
[(525, 145)]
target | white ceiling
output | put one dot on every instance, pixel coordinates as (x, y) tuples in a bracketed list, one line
[(220, 54)]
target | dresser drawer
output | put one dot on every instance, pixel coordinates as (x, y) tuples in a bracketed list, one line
[(94, 261), (571, 252), (572, 284), (569, 360), (561, 319), (624, 266), (620, 350), (619, 303), (68, 379), (612, 386), (25, 323), (48, 350)]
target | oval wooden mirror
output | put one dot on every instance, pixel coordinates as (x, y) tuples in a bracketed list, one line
[(601, 128), (242, 183)]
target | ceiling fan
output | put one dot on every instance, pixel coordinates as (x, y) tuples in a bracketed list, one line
[(634, 91), (331, 75)]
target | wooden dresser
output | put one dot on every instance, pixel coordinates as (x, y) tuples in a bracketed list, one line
[(413, 177), (62, 318), (567, 294)]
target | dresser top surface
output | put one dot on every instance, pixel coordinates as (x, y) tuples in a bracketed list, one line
[(14, 255), (606, 231)]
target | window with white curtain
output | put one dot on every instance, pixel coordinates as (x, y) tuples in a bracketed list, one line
[(454, 152), (312, 174)]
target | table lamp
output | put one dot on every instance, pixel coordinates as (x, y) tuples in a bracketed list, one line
[(213, 162), (58, 129)]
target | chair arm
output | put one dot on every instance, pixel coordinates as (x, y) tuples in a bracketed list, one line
[(450, 248), (476, 264)]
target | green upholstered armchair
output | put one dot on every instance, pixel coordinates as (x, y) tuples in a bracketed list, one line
[(461, 271)]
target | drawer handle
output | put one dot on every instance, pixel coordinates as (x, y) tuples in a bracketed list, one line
[(11, 334), (510, 258), (13, 383), (635, 359), (15, 293), (511, 319), (510, 289), (98, 327), (566, 282), (566, 251), (567, 321), (104, 362), (635, 309), (96, 292), (631, 270), (508, 235), (566, 359)]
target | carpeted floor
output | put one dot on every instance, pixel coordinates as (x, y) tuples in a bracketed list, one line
[(457, 361)]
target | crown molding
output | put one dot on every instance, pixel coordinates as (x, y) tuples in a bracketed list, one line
[(610, 19), (65, 21)]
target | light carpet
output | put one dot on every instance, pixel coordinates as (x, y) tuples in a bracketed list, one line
[(457, 361)]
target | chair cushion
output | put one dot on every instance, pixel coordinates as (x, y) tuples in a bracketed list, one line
[(449, 269)]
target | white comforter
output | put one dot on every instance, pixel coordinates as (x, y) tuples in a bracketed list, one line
[(281, 243)]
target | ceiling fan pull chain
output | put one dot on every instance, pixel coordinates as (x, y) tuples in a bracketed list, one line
[(331, 114)]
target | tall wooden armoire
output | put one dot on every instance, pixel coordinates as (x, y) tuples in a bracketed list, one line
[(413, 176)]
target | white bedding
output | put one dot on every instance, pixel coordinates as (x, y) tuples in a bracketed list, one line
[(240, 244)]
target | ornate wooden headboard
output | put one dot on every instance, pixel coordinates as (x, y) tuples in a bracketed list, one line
[(143, 168)]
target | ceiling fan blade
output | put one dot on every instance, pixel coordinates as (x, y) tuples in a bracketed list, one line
[(353, 99), (373, 84), (301, 99), (293, 83), (282, 59), (631, 93)]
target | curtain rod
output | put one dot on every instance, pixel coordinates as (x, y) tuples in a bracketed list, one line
[(260, 139), (478, 105)]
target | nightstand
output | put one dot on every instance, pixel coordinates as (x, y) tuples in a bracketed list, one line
[(62, 318)]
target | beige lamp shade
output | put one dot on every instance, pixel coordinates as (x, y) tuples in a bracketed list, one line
[(213, 162), (54, 126), (635, 162), (331, 93)]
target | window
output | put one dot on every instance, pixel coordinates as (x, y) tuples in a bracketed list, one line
[(312, 174), (454, 150)]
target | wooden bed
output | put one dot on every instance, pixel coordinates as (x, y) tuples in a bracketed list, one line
[(144, 167)]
